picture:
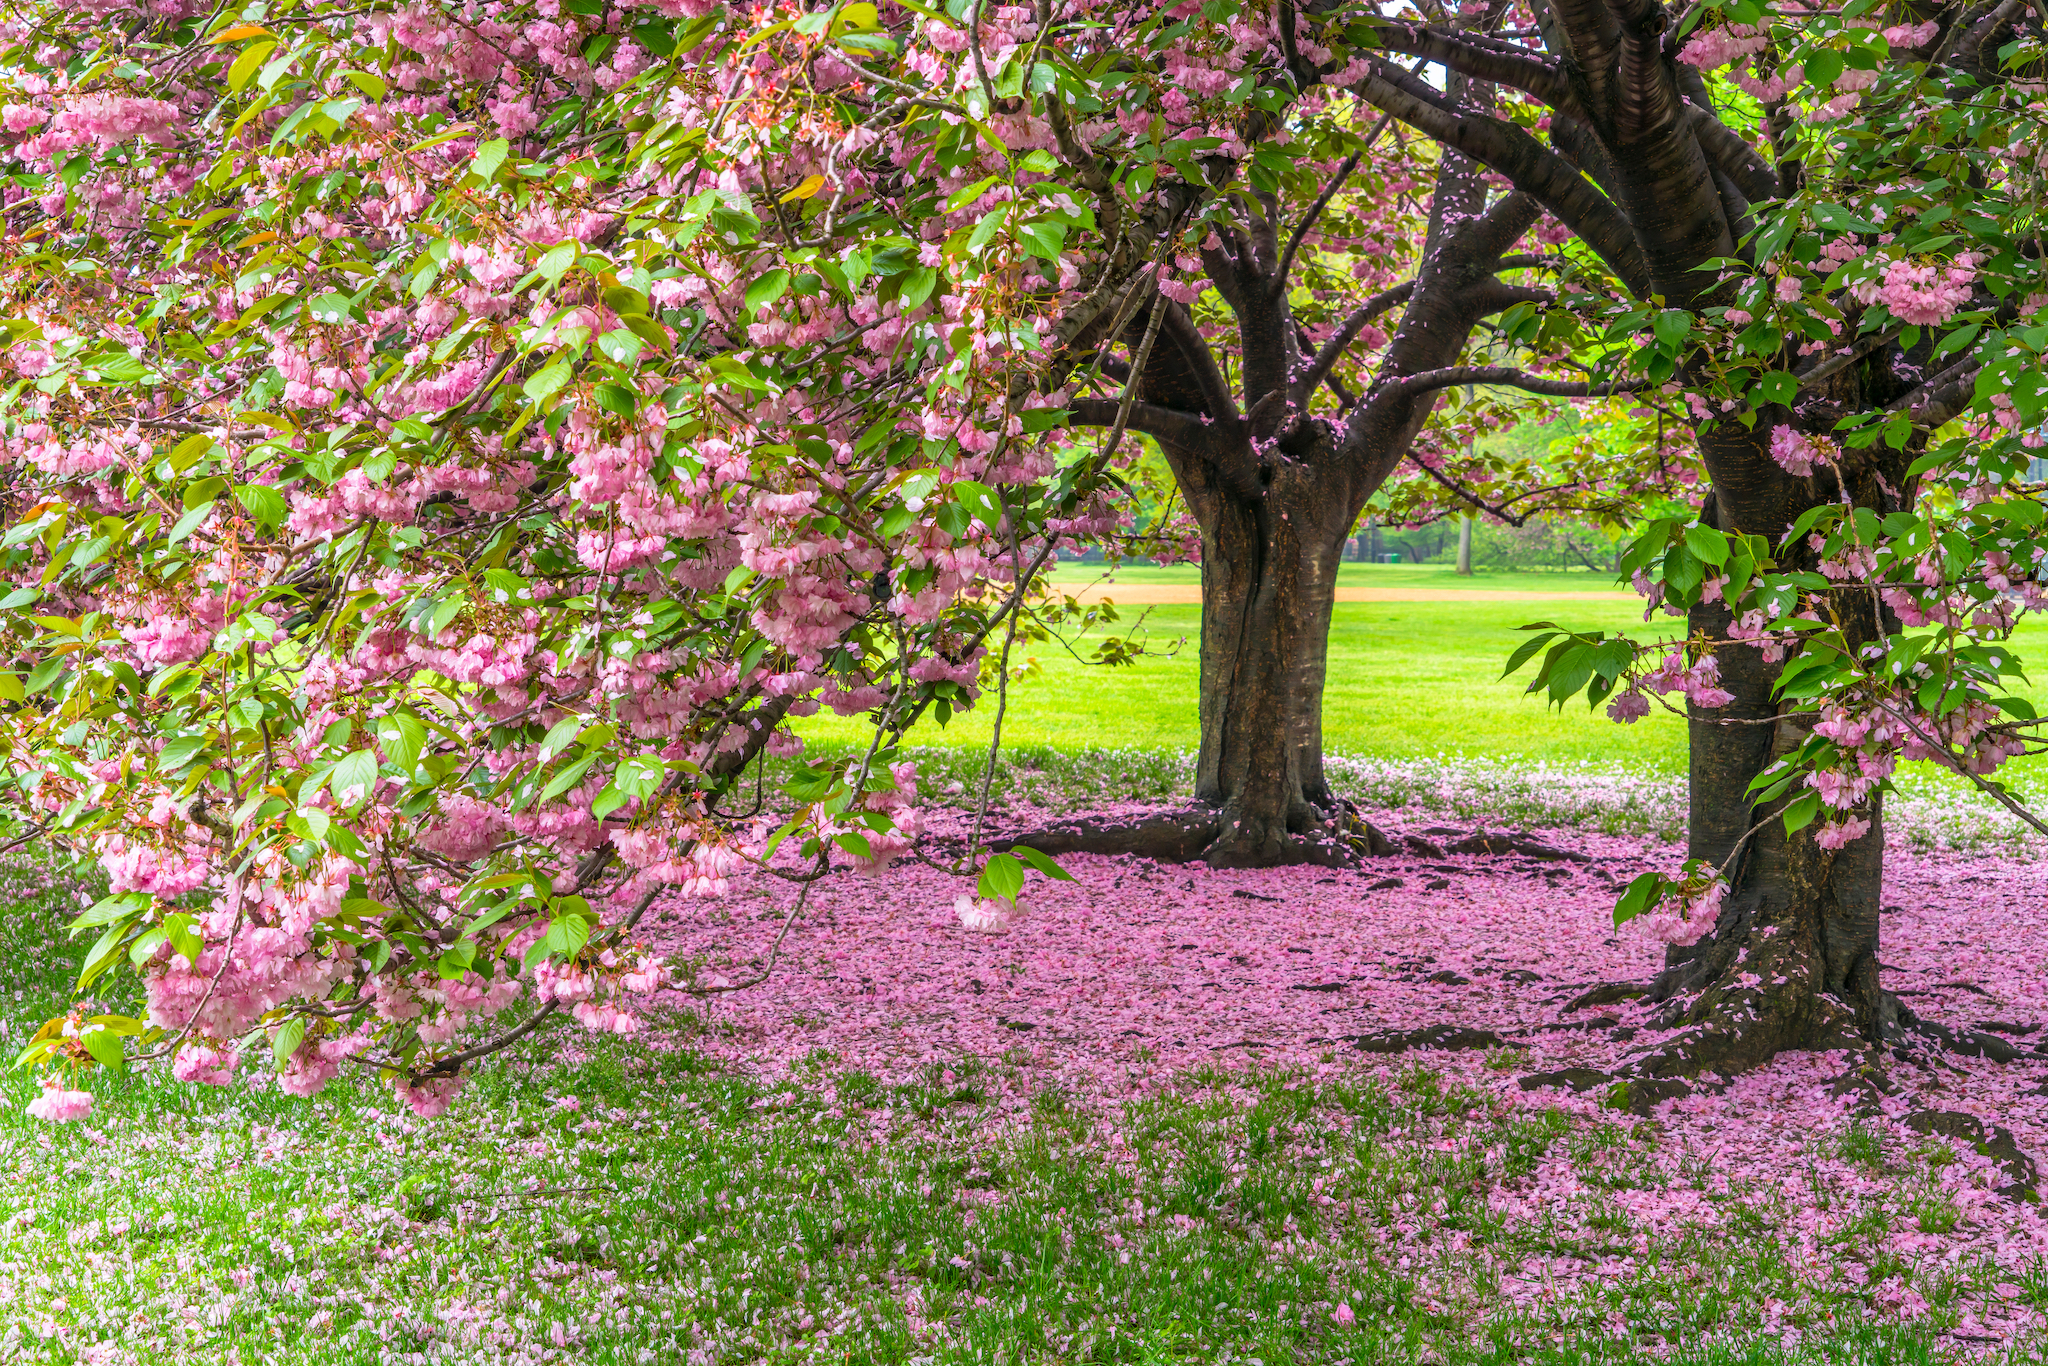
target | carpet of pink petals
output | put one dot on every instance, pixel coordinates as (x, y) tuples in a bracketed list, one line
[(1132, 974)]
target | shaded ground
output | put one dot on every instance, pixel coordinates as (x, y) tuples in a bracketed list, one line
[(1464, 964), (1138, 1129)]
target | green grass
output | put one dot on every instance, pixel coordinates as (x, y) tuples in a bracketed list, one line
[(1353, 574), (1405, 679), (623, 1203)]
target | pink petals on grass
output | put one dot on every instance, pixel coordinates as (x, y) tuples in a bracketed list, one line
[(1135, 974)]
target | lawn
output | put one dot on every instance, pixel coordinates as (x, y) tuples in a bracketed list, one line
[(1143, 1128), (1406, 680), (930, 1174)]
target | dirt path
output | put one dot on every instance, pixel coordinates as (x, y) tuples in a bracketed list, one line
[(1150, 594)]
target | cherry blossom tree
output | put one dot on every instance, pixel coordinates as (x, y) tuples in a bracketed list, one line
[(1298, 348), (1824, 250), (449, 446)]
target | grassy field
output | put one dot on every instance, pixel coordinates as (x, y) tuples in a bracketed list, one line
[(1355, 574), (627, 1203), (1406, 679)]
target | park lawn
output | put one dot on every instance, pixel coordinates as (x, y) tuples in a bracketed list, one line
[(632, 1202), (1354, 574), (1405, 679)]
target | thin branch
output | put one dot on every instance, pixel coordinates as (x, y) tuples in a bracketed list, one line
[(1277, 284), (1333, 349), (988, 91), (1506, 376), (1130, 396), (450, 1065)]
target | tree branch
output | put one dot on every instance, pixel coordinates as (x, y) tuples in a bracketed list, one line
[(1942, 396), (1833, 366), (1517, 72), (1278, 284), (1503, 224), (1505, 376), (1163, 424), (1347, 332), (1583, 34), (1737, 160), (1179, 326), (1513, 153)]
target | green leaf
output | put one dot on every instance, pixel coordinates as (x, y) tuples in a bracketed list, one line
[(183, 933), (544, 384), (1044, 863), (248, 64), (1778, 386), (1682, 573), (622, 345), (178, 755), (1671, 327), (1642, 894), (403, 735), (1801, 812), (967, 194), (981, 501), (263, 503), (987, 228), (489, 157), (109, 909), (559, 737), (331, 308), (640, 776), (1526, 651), (190, 521), (286, 1041), (767, 289), (567, 778), (105, 951), (1002, 877), (105, 1047), (917, 287), (1708, 544), (358, 770)]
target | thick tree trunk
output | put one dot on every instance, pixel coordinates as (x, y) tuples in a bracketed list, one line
[(1269, 583), (1793, 959), (1792, 962)]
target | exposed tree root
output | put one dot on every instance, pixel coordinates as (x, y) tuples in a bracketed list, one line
[(1606, 994), (1447, 1037), (1337, 839), (1992, 1140)]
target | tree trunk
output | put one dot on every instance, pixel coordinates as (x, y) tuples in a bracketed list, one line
[(1269, 583), (1465, 544), (1793, 959)]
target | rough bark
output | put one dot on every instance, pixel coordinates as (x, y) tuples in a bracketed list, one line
[(1793, 959), (1269, 583), (1276, 483)]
